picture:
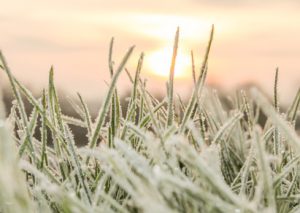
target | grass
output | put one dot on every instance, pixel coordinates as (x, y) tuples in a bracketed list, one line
[(162, 156)]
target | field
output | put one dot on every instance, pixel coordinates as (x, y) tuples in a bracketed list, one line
[(153, 156)]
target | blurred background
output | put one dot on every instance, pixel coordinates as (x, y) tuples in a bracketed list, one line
[(252, 38)]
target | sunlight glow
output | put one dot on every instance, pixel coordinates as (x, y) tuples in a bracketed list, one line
[(191, 28), (158, 63), (163, 27)]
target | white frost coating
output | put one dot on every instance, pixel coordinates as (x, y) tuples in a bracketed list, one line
[(156, 170), (211, 155)]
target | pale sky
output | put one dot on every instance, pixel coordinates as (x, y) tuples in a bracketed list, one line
[(251, 40)]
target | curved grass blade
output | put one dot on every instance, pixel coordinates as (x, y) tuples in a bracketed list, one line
[(105, 105), (198, 86)]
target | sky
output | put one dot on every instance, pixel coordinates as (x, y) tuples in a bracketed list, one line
[(251, 39)]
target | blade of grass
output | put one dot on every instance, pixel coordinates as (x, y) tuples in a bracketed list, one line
[(20, 106), (277, 120), (171, 81), (105, 105), (199, 85)]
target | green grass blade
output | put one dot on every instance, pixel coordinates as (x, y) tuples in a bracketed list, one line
[(106, 103), (171, 81), (199, 85)]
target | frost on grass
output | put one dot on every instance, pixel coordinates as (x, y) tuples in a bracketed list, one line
[(158, 156)]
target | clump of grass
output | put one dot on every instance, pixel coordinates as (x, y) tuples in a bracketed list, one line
[(204, 157)]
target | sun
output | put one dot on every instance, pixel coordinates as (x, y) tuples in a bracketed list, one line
[(158, 62)]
